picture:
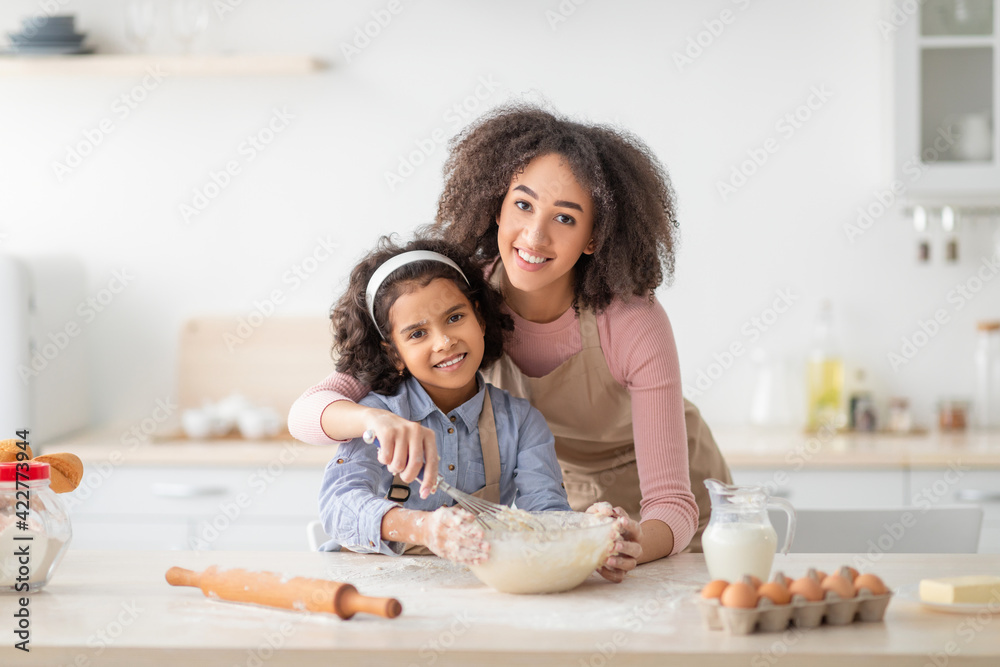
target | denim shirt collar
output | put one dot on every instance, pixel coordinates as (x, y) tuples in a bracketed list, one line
[(421, 405)]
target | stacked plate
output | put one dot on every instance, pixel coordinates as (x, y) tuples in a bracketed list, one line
[(48, 35)]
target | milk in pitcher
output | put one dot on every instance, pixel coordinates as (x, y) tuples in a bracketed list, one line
[(736, 549)]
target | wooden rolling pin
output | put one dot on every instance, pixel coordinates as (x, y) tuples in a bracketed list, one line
[(275, 590)]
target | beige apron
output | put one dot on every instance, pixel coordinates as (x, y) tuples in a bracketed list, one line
[(590, 415), (491, 461)]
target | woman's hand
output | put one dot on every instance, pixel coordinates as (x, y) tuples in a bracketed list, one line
[(627, 548), (405, 447), (453, 533)]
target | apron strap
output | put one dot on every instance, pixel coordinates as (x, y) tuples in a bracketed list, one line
[(399, 491), (488, 442), (588, 329)]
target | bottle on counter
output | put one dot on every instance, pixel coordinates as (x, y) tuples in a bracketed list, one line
[(953, 413), (899, 420), (825, 374), (986, 405), (861, 406)]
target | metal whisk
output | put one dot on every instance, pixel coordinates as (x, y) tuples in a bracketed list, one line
[(484, 511)]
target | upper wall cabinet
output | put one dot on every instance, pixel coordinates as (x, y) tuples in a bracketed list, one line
[(947, 97)]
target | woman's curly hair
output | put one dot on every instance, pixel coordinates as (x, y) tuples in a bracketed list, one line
[(358, 347), (635, 228)]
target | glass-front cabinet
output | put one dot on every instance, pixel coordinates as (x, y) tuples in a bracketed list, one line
[(947, 97)]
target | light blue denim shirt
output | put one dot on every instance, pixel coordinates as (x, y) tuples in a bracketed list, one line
[(352, 498)]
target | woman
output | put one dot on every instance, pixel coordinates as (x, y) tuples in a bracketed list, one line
[(580, 222)]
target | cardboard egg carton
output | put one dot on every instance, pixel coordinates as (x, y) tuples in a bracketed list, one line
[(769, 617)]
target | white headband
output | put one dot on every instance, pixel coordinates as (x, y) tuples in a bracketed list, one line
[(390, 265)]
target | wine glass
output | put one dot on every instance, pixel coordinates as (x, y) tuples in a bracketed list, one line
[(190, 18), (140, 21)]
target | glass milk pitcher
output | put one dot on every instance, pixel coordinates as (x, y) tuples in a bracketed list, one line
[(739, 538)]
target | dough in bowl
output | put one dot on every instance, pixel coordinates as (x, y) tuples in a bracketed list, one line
[(557, 559)]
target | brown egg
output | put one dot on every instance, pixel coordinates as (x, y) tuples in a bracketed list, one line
[(713, 589), (808, 588), (753, 581), (820, 574), (848, 572), (842, 586), (775, 592), (740, 595), (872, 583)]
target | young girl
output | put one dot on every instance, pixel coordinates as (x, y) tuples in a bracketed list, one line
[(416, 325), (579, 223)]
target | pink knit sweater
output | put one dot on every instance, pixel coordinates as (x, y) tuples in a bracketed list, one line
[(638, 344)]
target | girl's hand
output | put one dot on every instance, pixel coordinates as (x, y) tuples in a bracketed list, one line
[(453, 533), (405, 447), (627, 548)]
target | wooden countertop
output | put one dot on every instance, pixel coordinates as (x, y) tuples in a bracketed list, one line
[(115, 608), (743, 447), (753, 447), (108, 445)]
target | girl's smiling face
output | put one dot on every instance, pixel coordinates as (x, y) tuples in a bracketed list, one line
[(439, 339), (545, 223)]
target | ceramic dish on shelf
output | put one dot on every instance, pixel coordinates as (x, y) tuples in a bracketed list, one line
[(48, 51), (69, 37), (55, 35)]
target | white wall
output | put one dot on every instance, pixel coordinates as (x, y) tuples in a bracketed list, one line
[(324, 174)]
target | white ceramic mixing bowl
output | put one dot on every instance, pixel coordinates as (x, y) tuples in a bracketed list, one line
[(557, 559)]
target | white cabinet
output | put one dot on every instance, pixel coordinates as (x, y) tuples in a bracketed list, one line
[(947, 97), (921, 489), (186, 507), (110, 532), (833, 488), (944, 487)]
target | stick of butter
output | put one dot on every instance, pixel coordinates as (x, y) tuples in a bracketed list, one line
[(978, 589)]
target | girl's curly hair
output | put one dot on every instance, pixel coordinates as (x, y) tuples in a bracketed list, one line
[(635, 228), (359, 349)]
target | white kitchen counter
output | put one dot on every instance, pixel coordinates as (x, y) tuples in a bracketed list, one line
[(115, 608)]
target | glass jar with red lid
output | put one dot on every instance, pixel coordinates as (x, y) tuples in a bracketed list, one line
[(34, 527)]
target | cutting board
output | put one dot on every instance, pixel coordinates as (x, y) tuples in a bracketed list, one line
[(271, 364)]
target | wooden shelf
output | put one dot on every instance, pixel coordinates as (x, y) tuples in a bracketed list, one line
[(174, 65), (957, 41)]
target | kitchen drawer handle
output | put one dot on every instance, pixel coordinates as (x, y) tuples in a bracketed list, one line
[(168, 490), (976, 496)]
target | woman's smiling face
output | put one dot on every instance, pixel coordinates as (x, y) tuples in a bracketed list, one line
[(545, 223)]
